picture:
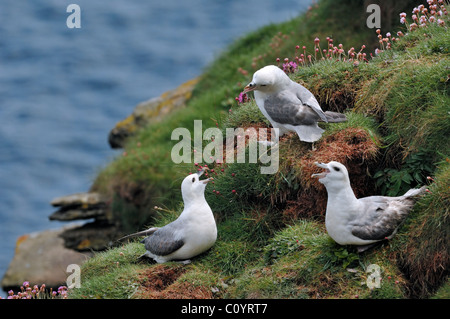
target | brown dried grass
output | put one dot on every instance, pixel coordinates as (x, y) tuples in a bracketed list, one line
[(354, 148), (160, 282)]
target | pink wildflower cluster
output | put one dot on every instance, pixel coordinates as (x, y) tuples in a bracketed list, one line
[(386, 41), (423, 16), (36, 292), (242, 98), (331, 52), (289, 67)]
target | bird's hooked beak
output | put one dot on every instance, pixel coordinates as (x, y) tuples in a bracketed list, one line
[(250, 87), (200, 173), (322, 174)]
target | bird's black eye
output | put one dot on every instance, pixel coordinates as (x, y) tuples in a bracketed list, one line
[(337, 169), (263, 84), (193, 179)]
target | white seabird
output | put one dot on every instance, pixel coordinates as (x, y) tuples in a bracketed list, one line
[(288, 105), (364, 221), (191, 234)]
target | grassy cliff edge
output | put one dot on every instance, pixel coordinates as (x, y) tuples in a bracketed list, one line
[(272, 242)]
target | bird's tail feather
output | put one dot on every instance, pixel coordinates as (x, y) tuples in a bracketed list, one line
[(334, 117), (141, 233), (415, 192), (309, 133)]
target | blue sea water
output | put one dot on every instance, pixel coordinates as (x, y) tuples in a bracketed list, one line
[(62, 90)]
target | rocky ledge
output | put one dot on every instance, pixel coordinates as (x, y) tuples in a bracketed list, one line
[(42, 258), (95, 235), (79, 206)]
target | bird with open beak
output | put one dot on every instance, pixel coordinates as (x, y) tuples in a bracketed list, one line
[(191, 234)]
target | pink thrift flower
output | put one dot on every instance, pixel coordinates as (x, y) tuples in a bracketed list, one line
[(290, 67), (242, 98)]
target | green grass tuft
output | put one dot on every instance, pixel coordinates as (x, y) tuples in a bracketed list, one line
[(110, 275)]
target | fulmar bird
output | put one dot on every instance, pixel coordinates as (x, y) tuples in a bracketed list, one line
[(364, 221), (191, 234), (288, 105)]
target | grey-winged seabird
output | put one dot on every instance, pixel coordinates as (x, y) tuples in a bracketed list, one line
[(361, 221), (191, 234), (288, 105)]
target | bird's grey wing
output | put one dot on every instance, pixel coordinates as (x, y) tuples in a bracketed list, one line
[(307, 98), (285, 108), (163, 241), (379, 218)]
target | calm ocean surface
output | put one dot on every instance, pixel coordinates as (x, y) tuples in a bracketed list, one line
[(62, 90)]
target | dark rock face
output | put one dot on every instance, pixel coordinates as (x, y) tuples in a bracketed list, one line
[(79, 206), (94, 235)]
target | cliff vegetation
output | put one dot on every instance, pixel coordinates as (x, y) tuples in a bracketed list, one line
[(393, 85)]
